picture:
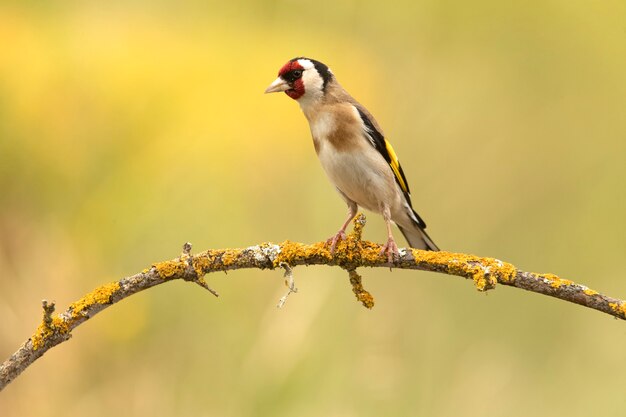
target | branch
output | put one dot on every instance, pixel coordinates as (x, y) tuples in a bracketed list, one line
[(350, 254)]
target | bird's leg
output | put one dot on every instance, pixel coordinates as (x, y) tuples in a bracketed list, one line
[(341, 234), (390, 248)]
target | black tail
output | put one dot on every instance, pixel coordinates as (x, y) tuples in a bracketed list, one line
[(418, 238)]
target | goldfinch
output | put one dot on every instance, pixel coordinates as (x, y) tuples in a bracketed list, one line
[(353, 151)]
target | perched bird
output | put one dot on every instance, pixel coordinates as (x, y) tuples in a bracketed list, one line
[(353, 151)]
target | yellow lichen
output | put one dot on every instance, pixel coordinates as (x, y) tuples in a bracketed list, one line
[(619, 308), (43, 332), (348, 251), (63, 325), (361, 293), (589, 291), (485, 272), (554, 280), (60, 325), (202, 263), (101, 295), (230, 257), (371, 254), (292, 252), (358, 225), (169, 269)]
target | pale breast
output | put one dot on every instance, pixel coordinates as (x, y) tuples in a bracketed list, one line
[(350, 161), (321, 126)]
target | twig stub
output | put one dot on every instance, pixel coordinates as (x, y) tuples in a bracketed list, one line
[(289, 282), (357, 288)]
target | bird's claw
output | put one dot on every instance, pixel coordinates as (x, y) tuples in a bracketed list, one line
[(391, 249), (332, 241)]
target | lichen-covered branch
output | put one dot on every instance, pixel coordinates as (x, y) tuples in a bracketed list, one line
[(351, 254)]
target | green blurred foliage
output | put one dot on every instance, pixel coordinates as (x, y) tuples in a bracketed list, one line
[(128, 128)]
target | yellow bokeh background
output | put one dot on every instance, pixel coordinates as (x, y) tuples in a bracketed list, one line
[(129, 128)]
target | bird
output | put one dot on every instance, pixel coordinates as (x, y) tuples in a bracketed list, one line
[(354, 153)]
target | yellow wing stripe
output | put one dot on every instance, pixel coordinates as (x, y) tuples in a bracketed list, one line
[(395, 166)]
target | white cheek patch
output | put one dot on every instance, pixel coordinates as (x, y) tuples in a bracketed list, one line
[(313, 84), (312, 81)]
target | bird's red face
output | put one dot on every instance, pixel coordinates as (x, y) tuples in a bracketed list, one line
[(289, 80), (292, 73), (301, 77)]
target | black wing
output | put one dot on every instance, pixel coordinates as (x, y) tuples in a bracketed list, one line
[(383, 146)]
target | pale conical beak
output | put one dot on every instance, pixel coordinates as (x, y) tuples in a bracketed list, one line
[(278, 85)]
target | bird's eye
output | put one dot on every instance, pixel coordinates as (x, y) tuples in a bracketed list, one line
[(296, 74)]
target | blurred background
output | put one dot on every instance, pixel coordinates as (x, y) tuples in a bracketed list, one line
[(129, 128)]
